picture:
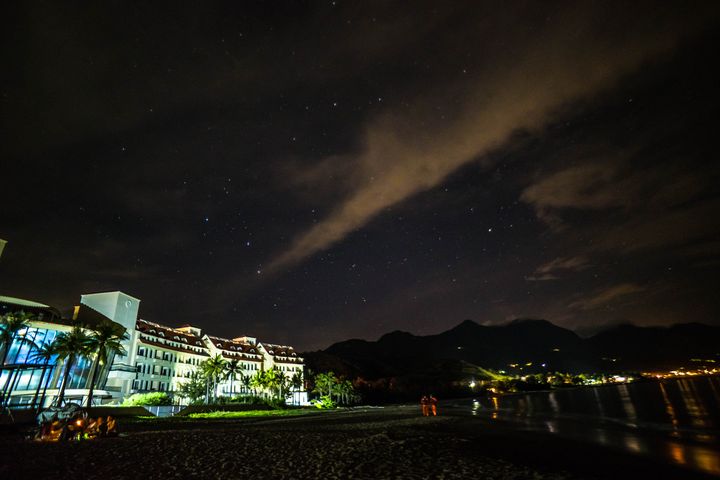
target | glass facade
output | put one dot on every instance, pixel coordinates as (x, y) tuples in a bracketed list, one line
[(24, 371)]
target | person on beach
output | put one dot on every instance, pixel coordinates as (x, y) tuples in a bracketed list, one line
[(425, 405), (433, 404)]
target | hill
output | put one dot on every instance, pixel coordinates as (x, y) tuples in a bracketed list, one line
[(521, 346)]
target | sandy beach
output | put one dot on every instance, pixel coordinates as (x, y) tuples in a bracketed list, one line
[(393, 442)]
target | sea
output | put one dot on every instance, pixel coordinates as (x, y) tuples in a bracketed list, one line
[(677, 419)]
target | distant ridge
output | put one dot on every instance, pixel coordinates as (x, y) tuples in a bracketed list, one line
[(526, 341)]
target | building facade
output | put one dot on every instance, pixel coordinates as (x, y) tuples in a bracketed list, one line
[(158, 357)]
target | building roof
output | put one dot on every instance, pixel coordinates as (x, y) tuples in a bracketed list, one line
[(29, 305), (282, 353), (182, 341), (183, 348), (22, 302), (232, 345), (241, 357)]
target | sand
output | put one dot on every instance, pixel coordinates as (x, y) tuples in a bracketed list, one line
[(365, 444)]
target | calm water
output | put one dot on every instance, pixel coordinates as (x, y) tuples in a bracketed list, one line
[(678, 420)]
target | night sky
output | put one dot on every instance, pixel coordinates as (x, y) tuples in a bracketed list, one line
[(308, 172)]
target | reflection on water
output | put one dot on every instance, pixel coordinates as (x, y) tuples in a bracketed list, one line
[(693, 404), (678, 420), (670, 411), (627, 403)]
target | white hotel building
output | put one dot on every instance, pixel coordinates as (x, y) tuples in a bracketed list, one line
[(159, 357)]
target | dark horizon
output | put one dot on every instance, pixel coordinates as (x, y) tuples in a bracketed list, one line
[(309, 173)]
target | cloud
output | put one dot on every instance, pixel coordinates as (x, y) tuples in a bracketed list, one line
[(542, 278), (576, 263), (414, 149), (590, 186), (676, 227), (550, 270), (605, 296), (652, 211)]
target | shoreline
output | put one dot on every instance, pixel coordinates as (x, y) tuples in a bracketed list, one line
[(392, 442)]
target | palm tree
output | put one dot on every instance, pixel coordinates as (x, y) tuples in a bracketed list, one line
[(214, 368), (10, 325), (281, 383), (232, 368), (325, 381), (70, 346), (296, 381), (346, 391), (45, 353), (271, 380), (106, 341), (245, 380), (257, 382)]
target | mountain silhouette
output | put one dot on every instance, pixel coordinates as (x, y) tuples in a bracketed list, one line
[(535, 345)]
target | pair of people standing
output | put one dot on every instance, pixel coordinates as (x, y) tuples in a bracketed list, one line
[(428, 404)]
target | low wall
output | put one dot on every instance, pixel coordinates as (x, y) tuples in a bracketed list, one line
[(119, 412), (220, 408)]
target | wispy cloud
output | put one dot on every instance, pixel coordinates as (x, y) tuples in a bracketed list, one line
[(413, 150), (542, 277), (552, 269), (576, 263), (603, 297)]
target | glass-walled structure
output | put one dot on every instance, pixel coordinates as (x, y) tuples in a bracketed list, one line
[(29, 379), (25, 373)]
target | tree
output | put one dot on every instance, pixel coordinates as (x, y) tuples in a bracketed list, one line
[(194, 389), (283, 385), (10, 325), (214, 369), (45, 353), (325, 383), (257, 382), (246, 380), (276, 381), (232, 368), (345, 391), (106, 341), (272, 381), (70, 346), (296, 381)]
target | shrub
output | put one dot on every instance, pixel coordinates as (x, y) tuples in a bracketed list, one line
[(258, 401), (151, 399), (324, 402), (248, 413)]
